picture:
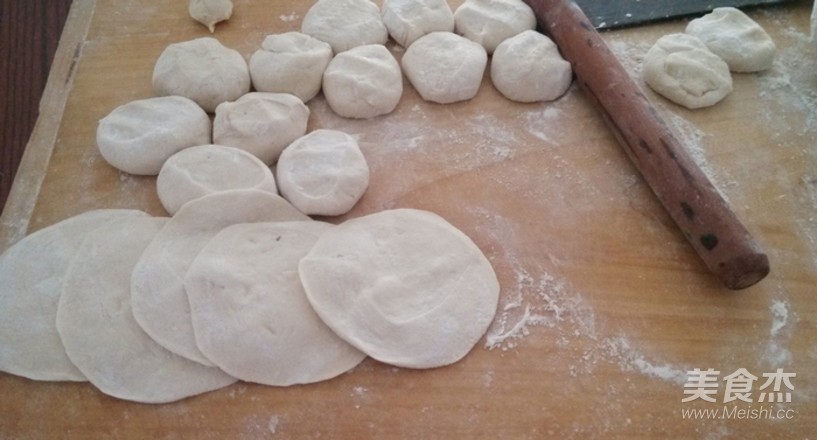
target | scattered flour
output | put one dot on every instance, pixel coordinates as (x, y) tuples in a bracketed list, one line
[(289, 18)]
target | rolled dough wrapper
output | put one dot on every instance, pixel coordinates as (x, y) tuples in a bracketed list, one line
[(345, 24), (736, 38), (292, 62), (408, 20), (363, 82), (490, 22)]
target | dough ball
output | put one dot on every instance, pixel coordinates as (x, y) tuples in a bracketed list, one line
[(345, 24), (682, 69), (814, 25), (262, 124), (290, 63), (403, 286), (490, 22), (529, 68), (250, 311), (139, 136), (202, 70), (323, 173), (445, 67), (733, 36), (210, 12), (408, 20), (363, 82), (206, 169)]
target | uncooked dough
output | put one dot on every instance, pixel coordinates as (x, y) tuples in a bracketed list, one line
[(202, 70), (403, 286), (444, 67), (345, 24), (210, 12), (529, 68), (736, 38), (323, 173), (681, 68), (160, 303), (292, 62), (139, 136), (363, 82), (250, 312), (490, 22), (408, 20), (206, 169), (32, 273), (96, 325), (262, 124)]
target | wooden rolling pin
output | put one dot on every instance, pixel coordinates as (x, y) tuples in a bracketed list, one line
[(722, 242)]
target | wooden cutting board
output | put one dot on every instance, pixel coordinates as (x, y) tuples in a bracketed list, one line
[(604, 307)]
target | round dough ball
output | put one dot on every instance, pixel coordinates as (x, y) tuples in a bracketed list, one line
[(262, 124), (490, 22), (210, 12), (323, 173), (445, 67), (408, 20), (403, 286), (202, 70), (206, 169), (290, 63), (363, 82), (733, 36), (250, 311), (682, 69), (345, 24), (529, 68), (139, 136)]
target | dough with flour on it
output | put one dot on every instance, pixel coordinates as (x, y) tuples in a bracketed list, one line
[(101, 337), (250, 312), (444, 67), (262, 124), (363, 82), (206, 169), (736, 38), (292, 62), (202, 70), (403, 286), (323, 173), (345, 24), (490, 22), (32, 273), (529, 68), (408, 20), (682, 69), (210, 12), (139, 136)]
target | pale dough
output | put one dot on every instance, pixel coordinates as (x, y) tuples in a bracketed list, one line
[(139, 136), (262, 124), (32, 273), (210, 12), (528, 68), (345, 24), (250, 313), (363, 82), (403, 286), (408, 20), (490, 22), (160, 303), (444, 67), (96, 325), (206, 169), (323, 173), (736, 38), (292, 62)]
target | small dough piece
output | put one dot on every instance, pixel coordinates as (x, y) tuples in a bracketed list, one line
[(490, 22), (345, 24), (262, 124), (736, 38), (529, 68), (323, 173), (290, 63), (363, 82), (814, 25), (139, 136), (32, 273), (96, 325), (250, 311), (408, 20), (202, 70), (206, 169), (445, 67), (210, 12), (683, 70), (403, 286), (160, 303)]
